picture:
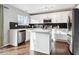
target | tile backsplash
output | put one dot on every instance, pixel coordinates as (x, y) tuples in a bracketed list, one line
[(14, 25)]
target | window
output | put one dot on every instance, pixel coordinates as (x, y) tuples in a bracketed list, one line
[(22, 20)]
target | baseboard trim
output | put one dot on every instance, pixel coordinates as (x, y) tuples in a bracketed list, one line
[(4, 45), (27, 40)]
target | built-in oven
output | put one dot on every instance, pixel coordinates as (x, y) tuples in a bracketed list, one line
[(47, 23)]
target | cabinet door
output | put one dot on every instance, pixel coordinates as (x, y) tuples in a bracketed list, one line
[(32, 41), (42, 43), (27, 35), (13, 37), (34, 21), (38, 18), (60, 17)]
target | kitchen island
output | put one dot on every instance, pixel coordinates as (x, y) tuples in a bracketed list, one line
[(40, 40)]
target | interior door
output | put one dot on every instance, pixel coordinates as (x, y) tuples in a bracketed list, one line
[(1, 25)]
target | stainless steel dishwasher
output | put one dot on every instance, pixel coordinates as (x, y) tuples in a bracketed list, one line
[(21, 36)]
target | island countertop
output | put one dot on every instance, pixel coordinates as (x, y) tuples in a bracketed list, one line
[(39, 30)]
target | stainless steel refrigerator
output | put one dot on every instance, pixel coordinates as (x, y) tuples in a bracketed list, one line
[(74, 16)]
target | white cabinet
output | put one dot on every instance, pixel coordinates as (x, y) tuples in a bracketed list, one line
[(58, 17), (59, 35), (32, 40), (34, 21), (27, 35), (38, 18), (14, 36), (40, 42)]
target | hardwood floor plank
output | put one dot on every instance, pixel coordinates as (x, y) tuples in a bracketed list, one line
[(61, 48)]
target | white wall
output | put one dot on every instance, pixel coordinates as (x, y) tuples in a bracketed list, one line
[(77, 6), (58, 17), (10, 15)]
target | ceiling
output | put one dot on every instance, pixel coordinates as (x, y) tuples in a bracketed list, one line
[(37, 8)]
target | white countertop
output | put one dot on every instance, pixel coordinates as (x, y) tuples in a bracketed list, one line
[(42, 30), (70, 33), (17, 29), (39, 30)]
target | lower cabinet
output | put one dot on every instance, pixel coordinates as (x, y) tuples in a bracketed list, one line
[(13, 37), (17, 36), (40, 42), (27, 35)]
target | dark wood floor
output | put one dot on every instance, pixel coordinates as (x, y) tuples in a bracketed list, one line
[(22, 49), (61, 48)]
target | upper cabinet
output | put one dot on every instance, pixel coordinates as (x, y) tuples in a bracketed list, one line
[(60, 17), (57, 17), (33, 21), (37, 19)]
